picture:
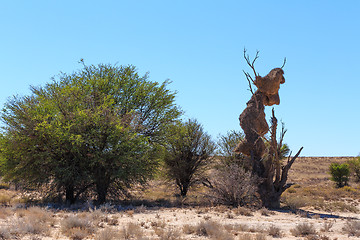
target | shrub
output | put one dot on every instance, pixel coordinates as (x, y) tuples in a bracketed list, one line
[(188, 229), (5, 233), (243, 211), (77, 227), (5, 199), (303, 229), (294, 202), (340, 174), (327, 226), (265, 212), (354, 165), (132, 231), (77, 233), (213, 230), (187, 154), (274, 231), (352, 228), (106, 234), (170, 234), (232, 185)]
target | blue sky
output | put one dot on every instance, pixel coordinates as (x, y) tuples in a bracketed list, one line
[(199, 46)]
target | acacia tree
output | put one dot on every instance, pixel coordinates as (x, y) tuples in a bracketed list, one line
[(187, 153), (97, 128)]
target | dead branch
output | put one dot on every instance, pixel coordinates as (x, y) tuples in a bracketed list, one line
[(248, 77), (251, 64), (283, 63), (286, 168)]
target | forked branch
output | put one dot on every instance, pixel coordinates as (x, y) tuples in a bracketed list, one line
[(251, 63)]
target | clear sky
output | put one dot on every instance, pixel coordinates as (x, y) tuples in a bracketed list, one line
[(199, 46)]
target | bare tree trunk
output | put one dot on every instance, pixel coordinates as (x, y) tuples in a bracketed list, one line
[(267, 167)]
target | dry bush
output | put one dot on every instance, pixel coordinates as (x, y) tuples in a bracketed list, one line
[(5, 233), (352, 228), (5, 199), (31, 226), (213, 230), (5, 213), (132, 231), (76, 227), (243, 211), (274, 231), (189, 229), (33, 220), (77, 233), (113, 221), (248, 236), (327, 226), (303, 229), (170, 234), (158, 224), (260, 236), (256, 229), (106, 234), (266, 212), (232, 185), (39, 214), (294, 202), (140, 209)]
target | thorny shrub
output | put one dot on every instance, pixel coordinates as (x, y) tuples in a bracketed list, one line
[(232, 185), (352, 228), (303, 229)]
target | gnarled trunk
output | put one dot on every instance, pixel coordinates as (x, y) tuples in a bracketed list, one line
[(266, 167)]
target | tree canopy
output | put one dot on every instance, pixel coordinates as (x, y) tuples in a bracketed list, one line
[(187, 153), (97, 128)]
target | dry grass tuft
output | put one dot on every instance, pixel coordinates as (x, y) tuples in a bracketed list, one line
[(132, 231), (327, 226), (189, 229), (5, 233), (303, 229), (77, 233), (243, 211), (213, 230), (266, 212), (5, 213), (77, 226), (248, 236), (140, 209), (274, 231), (352, 228), (170, 234), (106, 234)]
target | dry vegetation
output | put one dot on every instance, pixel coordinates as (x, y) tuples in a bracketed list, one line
[(312, 209)]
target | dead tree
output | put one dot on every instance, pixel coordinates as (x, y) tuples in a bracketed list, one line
[(268, 168)]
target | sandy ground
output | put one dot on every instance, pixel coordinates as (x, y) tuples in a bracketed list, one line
[(154, 222)]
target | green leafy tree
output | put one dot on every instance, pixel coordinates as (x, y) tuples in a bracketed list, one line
[(354, 165), (340, 174), (226, 145), (98, 128), (187, 154)]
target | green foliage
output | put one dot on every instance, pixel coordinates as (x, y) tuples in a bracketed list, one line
[(187, 153), (354, 165), (340, 174), (97, 128), (226, 145)]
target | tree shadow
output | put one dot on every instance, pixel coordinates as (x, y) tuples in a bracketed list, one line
[(310, 214)]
